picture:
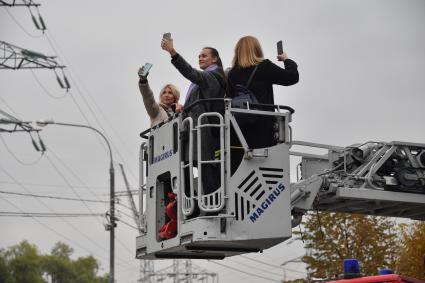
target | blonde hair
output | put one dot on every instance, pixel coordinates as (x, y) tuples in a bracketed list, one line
[(248, 52), (174, 90)]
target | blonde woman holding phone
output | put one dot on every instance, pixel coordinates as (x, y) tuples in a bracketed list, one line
[(168, 103)]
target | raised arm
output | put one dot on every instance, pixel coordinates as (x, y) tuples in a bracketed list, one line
[(151, 105), (195, 76), (287, 76)]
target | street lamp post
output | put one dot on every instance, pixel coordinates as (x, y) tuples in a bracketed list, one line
[(111, 226)]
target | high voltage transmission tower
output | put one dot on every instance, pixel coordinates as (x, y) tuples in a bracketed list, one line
[(16, 125), (180, 271), (39, 24), (13, 57), (13, 3)]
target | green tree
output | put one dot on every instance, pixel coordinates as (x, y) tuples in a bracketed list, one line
[(5, 275), (59, 265), (23, 264), (332, 237), (87, 269), (412, 252), (63, 269)]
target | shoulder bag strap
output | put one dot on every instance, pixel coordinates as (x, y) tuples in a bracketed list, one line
[(252, 75)]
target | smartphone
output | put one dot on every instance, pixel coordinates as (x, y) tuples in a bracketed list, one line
[(146, 69), (167, 35), (279, 47)]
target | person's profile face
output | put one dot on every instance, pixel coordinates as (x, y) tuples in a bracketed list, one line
[(206, 59), (167, 96)]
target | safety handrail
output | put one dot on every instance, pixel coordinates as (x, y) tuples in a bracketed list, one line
[(188, 203), (214, 201), (208, 100), (269, 106), (145, 132), (142, 185)]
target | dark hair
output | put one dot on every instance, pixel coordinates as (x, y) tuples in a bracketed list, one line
[(215, 54)]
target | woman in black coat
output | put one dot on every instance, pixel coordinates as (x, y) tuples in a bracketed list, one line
[(248, 54), (209, 82)]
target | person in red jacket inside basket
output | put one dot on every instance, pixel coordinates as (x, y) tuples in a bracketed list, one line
[(169, 229)]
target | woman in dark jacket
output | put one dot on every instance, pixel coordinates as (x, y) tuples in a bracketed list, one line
[(209, 82), (248, 54)]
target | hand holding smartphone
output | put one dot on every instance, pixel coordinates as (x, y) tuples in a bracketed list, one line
[(279, 47), (167, 43), (144, 71)]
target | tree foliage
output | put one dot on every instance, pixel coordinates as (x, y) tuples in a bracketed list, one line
[(332, 237), (23, 263), (412, 252)]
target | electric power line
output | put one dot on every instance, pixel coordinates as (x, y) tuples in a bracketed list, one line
[(12, 118), (8, 106), (55, 49), (256, 267), (45, 89), (16, 157), (129, 225), (51, 210), (52, 43), (125, 206), (124, 264), (14, 4), (125, 214), (47, 214), (53, 197), (51, 229), (271, 265), (61, 186), (62, 69), (68, 183), (21, 26), (245, 272), (75, 192), (81, 181)]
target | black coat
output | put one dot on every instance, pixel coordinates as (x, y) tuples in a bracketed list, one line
[(267, 74), (210, 84)]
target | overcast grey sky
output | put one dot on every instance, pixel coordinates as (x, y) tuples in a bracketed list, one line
[(361, 67)]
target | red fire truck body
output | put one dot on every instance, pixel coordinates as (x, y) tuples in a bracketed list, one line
[(387, 278)]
